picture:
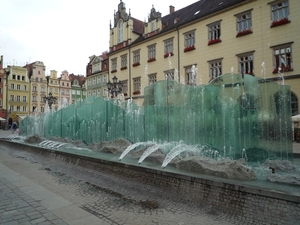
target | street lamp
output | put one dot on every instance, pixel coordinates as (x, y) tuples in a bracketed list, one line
[(50, 99), (115, 87)]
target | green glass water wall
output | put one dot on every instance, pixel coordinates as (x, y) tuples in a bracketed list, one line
[(237, 116)]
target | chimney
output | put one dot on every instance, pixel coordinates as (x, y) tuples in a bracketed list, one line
[(172, 9)]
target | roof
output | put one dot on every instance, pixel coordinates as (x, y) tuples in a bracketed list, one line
[(79, 78), (193, 12)]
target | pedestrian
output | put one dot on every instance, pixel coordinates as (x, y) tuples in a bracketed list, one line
[(14, 127)]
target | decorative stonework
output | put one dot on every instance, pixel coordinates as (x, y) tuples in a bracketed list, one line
[(121, 14)]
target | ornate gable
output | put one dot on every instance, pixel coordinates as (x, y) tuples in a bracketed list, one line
[(121, 14), (154, 15)]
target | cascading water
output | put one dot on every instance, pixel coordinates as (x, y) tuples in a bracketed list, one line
[(232, 113)]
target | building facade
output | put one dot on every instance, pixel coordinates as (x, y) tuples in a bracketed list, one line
[(78, 90), (97, 75), (65, 96), (53, 87), (207, 38), (17, 93), (38, 86)]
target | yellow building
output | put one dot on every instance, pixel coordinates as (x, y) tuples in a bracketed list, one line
[(210, 38), (38, 83), (53, 87), (17, 94)]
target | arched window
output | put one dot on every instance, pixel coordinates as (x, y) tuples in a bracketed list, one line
[(120, 33)]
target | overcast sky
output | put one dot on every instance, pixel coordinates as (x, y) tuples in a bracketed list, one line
[(64, 33)]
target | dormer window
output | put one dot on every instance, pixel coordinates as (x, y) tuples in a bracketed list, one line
[(153, 25), (120, 31)]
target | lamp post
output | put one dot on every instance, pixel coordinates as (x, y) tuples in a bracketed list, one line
[(115, 87), (50, 99)]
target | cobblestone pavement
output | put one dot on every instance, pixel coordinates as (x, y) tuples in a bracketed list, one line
[(36, 190)]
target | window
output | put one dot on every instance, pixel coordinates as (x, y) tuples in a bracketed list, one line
[(214, 32), (151, 52), (0, 90), (0, 80), (24, 109), (94, 80), (42, 89), (152, 25), (67, 92), (18, 108), (18, 98), (280, 10), (36, 79), (244, 23), (62, 91), (23, 77), (0, 102), (104, 78), (11, 108), (123, 61), (120, 31), (168, 47), (189, 39), (24, 98), (215, 68), (42, 109), (12, 97), (34, 88), (73, 92), (18, 77), (136, 56), (18, 87), (137, 84), (14, 77), (56, 90), (33, 108), (190, 75), (125, 86), (169, 75), (34, 98), (282, 58), (63, 83), (12, 86), (246, 63), (114, 64), (50, 90), (24, 87), (152, 78)]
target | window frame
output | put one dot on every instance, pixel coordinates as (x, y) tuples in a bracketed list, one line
[(215, 64), (190, 38), (244, 24), (289, 59), (248, 63)]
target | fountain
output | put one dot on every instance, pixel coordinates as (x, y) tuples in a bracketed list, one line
[(205, 142), (236, 116)]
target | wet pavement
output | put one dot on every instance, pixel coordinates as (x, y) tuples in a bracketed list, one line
[(35, 190)]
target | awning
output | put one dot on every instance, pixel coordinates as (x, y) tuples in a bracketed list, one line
[(21, 117), (2, 119), (296, 118)]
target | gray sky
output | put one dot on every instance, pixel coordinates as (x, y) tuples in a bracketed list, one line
[(64, 33)]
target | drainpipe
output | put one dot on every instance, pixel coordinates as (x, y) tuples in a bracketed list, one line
[(178, 54)]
